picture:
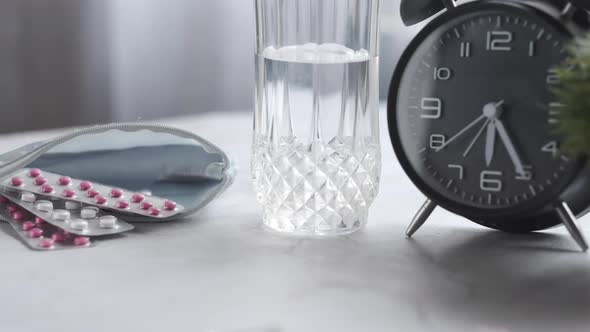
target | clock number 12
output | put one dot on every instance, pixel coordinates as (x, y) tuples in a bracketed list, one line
[(499, 41)]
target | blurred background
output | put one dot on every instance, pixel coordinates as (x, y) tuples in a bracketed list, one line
[(79, 62)]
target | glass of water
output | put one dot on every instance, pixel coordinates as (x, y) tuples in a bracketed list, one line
[(316, 158)]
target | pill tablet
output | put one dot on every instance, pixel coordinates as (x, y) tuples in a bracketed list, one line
[(64, 181), (18, 216), (100, 199), (62, 215), (11, 208), (16, 181), (69, 193), (154, 212), (39, 221), (35, 233), (79, 224), (88, 213), (122, 204), (45, 206), (28, 225), (92, 193), (170, 205), (58, 237), (116, 193), (28, 197), (107, 222), (46, 243), (47, 189), (85, 185), (81, 241), (40, 180), (146, 205), (70, 205), (137, 198), (35, 172)]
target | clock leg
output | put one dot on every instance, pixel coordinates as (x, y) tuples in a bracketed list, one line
[(569, 221), (421, 217), (449, 4)]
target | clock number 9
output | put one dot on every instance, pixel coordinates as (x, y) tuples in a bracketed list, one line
[(431, 108)]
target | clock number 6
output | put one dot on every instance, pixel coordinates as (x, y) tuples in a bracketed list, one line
[(489, 181)]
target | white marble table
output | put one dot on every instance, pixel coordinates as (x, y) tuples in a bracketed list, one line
[(221, 271)]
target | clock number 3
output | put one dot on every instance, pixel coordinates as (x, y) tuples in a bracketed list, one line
[(499, 41)]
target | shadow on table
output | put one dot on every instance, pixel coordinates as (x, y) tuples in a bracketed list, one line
[(6, 228), (539, 279)]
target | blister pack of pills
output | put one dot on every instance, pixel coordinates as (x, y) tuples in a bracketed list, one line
[(70, 216), (57, 186), (38, 234)]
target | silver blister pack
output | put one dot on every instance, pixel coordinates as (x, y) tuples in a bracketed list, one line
[(53, 185), (37, 234), (70, 216)]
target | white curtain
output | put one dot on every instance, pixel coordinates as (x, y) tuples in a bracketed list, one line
[(73, 62)]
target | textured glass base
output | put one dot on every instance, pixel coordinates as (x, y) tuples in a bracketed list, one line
[(312, 227), (318, 189)]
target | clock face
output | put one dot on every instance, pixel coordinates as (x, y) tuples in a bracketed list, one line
[(470, 111)]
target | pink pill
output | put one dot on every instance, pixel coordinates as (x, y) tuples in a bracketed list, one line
[(69, 193), (154, 212), (11, 208), (100, 199), (170, 205), (28, 225), (122, 204), (19, 216), (35, 172), (39, 221), (81, 241), (64, 181), (146, 205), (137, 198), (85, 185), (46, 243), (40, 180), (4, 200), (92, 193), (58, 237), (47, 189), (36, 233), (16, 181), (116, 192)]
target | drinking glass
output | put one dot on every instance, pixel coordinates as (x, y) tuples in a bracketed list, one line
[(316, 157)]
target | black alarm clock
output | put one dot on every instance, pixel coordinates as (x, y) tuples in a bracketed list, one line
[(471, 113)]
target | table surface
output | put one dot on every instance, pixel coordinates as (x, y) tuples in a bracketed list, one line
[(222, 271)]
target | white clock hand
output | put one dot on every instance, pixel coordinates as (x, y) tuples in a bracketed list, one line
[(459, 134), (477, 136), (490, 111), (510, 147), (490, 142)]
